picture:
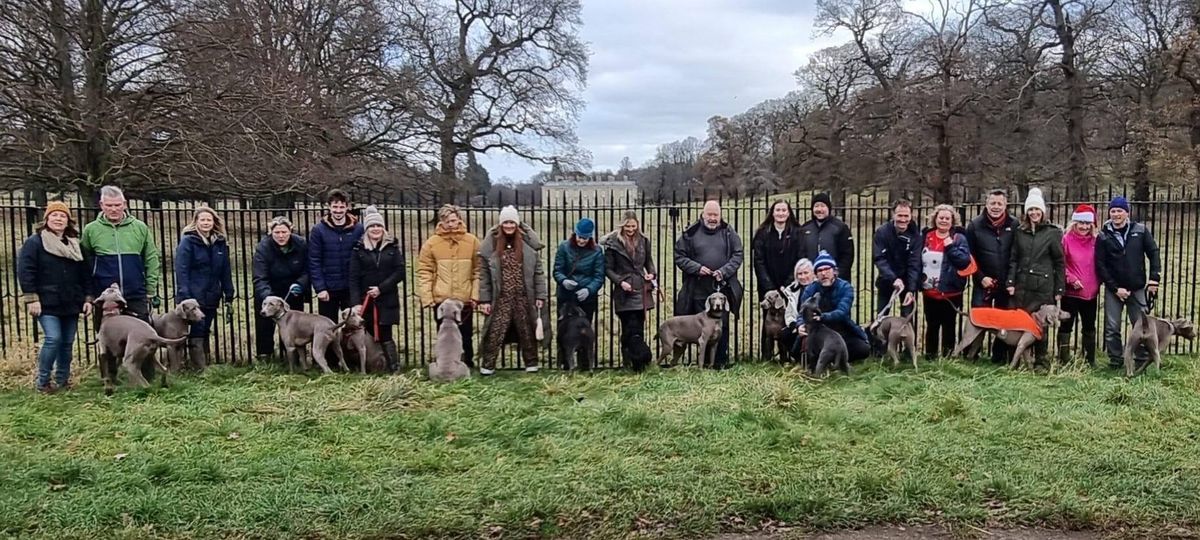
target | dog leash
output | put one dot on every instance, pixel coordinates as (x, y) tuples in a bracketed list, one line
[(374, 313), (887, 308)]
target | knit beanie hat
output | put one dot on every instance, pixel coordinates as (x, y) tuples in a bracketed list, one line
[(509, 213), (822, 198), (1119, 202), (56, 206), (371, 216), (824, 260), (1035, 200), (585, 229), (1084, 213)]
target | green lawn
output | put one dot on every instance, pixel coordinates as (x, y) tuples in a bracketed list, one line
[(261, 454)]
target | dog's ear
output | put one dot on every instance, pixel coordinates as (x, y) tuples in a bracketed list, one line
[(780, 301)]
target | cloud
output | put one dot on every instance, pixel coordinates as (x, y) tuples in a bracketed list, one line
[(661, 68)]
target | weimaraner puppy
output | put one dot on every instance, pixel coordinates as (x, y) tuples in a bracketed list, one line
[(773, 306), (358, 342), (176, 324), (1046, 317), (447, 365), (131, 339), (299, 330), (1154, 333), (898, 334), (702, 329)]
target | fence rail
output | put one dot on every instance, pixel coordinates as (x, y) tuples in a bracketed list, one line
[(1173, 216)]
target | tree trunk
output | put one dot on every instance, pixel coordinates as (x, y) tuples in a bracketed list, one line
[(1075, 82), (941, 183)]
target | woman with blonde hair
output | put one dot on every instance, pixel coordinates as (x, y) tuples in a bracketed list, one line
[(1083, 284), (203, 274), (943, 259), (448, 269), (629, 264)]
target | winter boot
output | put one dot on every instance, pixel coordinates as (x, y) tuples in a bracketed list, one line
[(389, 355), (197, 353)]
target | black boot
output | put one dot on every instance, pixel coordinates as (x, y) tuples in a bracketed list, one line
[(1089, 347), (1064, 348), (197, 356), (389, 355)]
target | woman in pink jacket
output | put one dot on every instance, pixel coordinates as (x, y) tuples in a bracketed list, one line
[(1079, 249)]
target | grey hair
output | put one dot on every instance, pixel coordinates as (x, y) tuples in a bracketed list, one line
[(112, 192), (801, 264), (280, 220)]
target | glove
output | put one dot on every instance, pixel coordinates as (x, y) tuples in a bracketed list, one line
[(581, 294), (228, 316), (570, 284), (295, 289), (155, 302)]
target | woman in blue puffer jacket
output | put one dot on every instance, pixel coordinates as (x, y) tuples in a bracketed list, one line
[(203, 274), (945, 259)]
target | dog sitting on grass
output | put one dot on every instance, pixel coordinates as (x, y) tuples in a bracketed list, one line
[(826, 347), (576, 339), (447, 363)]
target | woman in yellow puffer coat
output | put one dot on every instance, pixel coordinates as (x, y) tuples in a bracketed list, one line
[(448, 268)]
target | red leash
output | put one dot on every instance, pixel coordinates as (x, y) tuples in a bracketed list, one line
[(374, 313)]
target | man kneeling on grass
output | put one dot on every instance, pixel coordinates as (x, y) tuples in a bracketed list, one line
[(837, 302)]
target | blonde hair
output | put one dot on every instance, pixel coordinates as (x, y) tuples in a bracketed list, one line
[(1095, 229), (947, 208), (446, 210), (218, 223)]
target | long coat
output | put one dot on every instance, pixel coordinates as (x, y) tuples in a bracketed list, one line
[(621, 265), (202, 269), (381, 267), (775, 256), (1037, 268), (534, 276)]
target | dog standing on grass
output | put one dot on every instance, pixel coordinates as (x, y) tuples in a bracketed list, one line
[(447, 363), (359, 344), (1154, 333), (127, 340), (702, 329), (774, 306), (896, 333), (299, 331), (176, 324)]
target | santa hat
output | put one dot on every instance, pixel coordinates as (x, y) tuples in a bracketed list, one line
[(1084, 213), (1035, 200)]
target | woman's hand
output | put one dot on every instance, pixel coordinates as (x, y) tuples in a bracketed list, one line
[(87, 309), (485, 308), (625, 286), (35, 308), (373, 292), (539, 303), (1012, 290)]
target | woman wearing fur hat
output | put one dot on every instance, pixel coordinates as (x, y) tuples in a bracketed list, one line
[(376, 270), (53, 283), (203, 274), (1083, 285), (1036, 271), (512, 289)]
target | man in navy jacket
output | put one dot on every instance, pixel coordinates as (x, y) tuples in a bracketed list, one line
[(329, 246)]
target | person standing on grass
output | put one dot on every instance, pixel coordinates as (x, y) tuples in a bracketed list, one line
[(709, 253), (280, 268), (329, 246), (777, 247), (990, 236), (629, 264), (825, 232), (1122, 251), (1036, 275), (945, 254), (1083, 286), (837, 306), (53, 279), (119, 248), (203, 273), (512, 290), (793, 334), (376, 271), (448, 269), (896, 251), (579, 269)]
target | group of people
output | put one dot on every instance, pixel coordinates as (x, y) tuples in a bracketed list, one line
[(351, 259)]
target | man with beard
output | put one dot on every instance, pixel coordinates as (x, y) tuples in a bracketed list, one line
[(329, 247), (824, 232)]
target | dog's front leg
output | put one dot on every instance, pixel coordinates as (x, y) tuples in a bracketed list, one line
[(362, 357), (1023, 346)]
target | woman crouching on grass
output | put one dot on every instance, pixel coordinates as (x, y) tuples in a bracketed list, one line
[(793, 332), (52, 276), (376, 269), (512, 290)]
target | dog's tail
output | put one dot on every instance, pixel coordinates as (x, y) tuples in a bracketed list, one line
[(167, 342), (910, 315)]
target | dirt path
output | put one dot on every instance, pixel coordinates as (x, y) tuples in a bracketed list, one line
[(921, 532)]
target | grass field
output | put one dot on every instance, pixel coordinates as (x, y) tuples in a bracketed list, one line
[(239, 453)]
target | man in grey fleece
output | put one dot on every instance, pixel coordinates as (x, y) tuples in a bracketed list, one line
[(710, 252)]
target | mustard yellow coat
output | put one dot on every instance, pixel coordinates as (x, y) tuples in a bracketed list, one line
[(448, 267)]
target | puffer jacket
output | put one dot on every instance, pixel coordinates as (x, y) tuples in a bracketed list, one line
[(329, 248), (837, 306), (1121, 260), (448, 267), (991, 247), (833, 236), (276, 268), (584, 265), (1037, 269), (202, 269), (381, 267)]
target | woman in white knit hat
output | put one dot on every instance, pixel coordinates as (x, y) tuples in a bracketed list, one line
[(376, 271), (1036, 269), (512, 290)]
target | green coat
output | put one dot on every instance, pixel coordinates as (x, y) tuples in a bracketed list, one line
[(1036, 267)]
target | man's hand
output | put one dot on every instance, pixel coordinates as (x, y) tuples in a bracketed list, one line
[(801, 331), (717, 276), (35, 308), (1152, 287), (987, 282), (898, 284), (705, 271), (649, 276), (323, 296), (1011, 290), (485, 308), (625, 286), (228, 316), (909, 298), (87, 309), (1122, 293), (373, 292), (570, 284)]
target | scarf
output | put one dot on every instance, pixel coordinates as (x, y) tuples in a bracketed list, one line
[(372, 246), (997, 223), (67, 248)]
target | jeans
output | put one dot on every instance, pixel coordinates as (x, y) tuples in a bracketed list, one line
[(998, 298), (58, 336), (1133, 306)]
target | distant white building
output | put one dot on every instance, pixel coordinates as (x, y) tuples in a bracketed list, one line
[(588, 189)]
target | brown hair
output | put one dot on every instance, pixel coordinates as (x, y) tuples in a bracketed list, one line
[(517, 241), (70, 232)]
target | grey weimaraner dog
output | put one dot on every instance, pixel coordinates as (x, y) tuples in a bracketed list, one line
[(897, 333), (129, 339), (447, 365), (176, 324), (360, 343), (299, 330), (773, 306), (702, 329), (1154, 333), (1046, 317)]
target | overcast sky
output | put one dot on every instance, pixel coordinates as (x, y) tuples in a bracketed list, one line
[(661, 68)]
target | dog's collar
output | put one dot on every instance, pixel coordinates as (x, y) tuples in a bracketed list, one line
[(110, 309), (279, 316)]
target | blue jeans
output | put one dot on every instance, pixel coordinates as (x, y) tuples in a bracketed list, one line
[(58, 336)]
